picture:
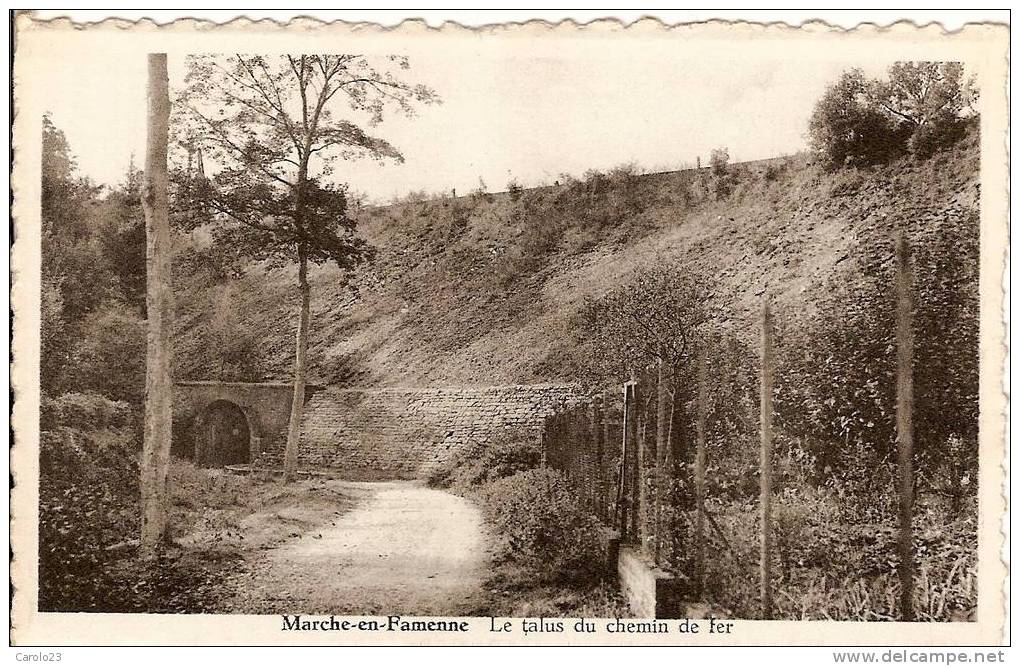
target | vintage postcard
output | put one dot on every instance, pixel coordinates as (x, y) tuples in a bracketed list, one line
[(530, 334)]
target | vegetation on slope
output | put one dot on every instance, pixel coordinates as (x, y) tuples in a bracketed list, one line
[(486, 288)]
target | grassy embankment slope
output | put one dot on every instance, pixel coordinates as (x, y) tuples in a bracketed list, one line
[(481, 289)]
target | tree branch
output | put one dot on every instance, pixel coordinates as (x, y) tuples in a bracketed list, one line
[(225, 140)]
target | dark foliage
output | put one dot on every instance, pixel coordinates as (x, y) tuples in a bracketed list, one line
[(660, 313), (93, 275), (539, 523), (847, 130), (88, 499), (919, 108), (482, 462)]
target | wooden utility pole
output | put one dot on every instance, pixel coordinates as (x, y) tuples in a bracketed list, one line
[(699, 473), (904, 423), (767, 378), (159, 310)]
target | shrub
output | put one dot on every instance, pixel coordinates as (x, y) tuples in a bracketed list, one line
[(846, 130), (110, 354), (836, 387), (723, 179), (719, 161), (514, 189), (660, 311), (540, 523), (88, 501), (938, 134), (85, 412), (482, 462)]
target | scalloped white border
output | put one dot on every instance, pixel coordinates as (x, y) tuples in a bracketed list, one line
[(32, 627)]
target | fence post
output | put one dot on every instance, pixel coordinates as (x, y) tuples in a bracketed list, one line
[(607, 401), (641, 510), (767, 371), (623, 492), (661, 443), (633, 434), (699, 475), (904, 423), (596, 434)]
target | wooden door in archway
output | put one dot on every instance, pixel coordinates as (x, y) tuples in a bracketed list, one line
[(228, 437)]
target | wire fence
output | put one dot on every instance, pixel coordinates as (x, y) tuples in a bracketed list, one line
[(638, 458)]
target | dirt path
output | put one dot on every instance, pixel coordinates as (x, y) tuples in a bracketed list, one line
[(405, 549)]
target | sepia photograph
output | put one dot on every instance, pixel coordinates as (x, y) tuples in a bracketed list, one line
[(371, 332)]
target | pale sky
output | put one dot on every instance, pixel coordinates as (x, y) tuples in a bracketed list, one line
[(505, 114)]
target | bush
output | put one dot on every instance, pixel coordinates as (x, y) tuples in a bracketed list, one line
[(719, 161), (88, 501), (936, 135), (828, 569), (836, 388), (723, 178), (514, 189), (110, 355), (846, 130), (482, 462), (549, 551), (540, 524)]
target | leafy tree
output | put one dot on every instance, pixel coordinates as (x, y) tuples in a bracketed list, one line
[(657, 316), (847, 129), (272, 128), (67, 200), (122, 237), (719, 160), (93, 278), (921, 93), (75, 276), (929, 99), (919, 106)]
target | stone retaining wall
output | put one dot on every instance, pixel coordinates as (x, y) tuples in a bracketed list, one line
[(401, 433)]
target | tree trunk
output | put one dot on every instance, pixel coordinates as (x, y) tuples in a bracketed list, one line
[(297, 405), (159, 309)]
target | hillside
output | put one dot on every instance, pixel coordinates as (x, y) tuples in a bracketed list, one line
[(482, 289)]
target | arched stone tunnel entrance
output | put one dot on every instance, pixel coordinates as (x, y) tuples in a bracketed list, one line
[(232, 423)]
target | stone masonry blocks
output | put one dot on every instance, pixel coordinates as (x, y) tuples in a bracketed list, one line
[(403, 433)]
